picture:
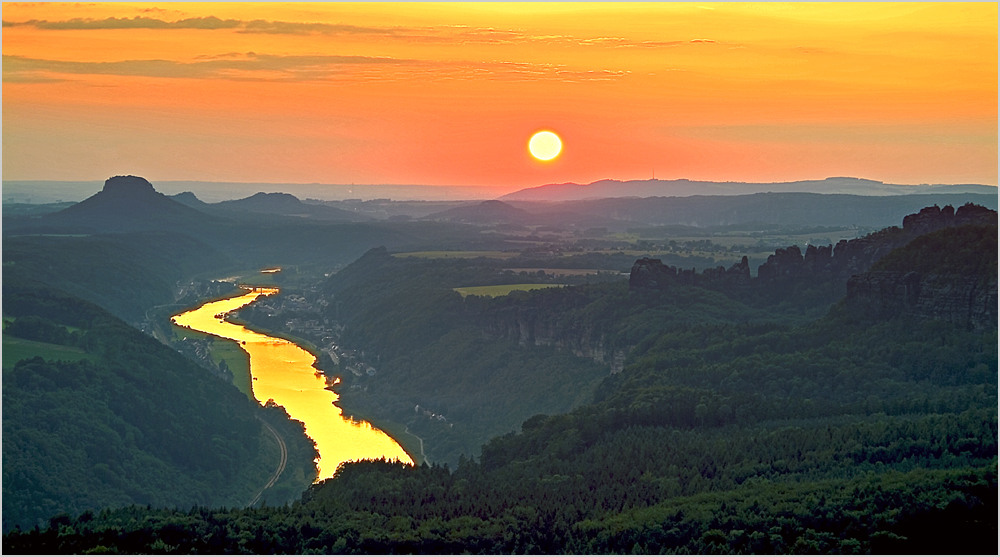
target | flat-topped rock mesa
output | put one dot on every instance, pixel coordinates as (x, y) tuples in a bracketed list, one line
[(133, 186), (126, 203)]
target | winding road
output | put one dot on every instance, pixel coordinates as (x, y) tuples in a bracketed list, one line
[(422, 454), (281, 465)]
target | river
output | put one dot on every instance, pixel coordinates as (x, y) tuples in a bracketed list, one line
[(285, 373)]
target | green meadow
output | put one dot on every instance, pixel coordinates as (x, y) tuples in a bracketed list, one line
[(224, 349), (500, 289), (16, 349)]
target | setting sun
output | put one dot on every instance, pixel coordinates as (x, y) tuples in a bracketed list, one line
[(545, 146), (323, 92)]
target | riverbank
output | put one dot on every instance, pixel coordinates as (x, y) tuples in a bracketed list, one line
[(412, 444)]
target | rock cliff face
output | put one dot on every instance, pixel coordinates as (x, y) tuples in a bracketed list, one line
[(948, 274), (529, 328), (964, 300), (830, 269)]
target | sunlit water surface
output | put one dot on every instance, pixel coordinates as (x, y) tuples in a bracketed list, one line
[(284, 372)]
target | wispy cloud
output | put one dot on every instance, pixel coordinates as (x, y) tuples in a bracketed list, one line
[(670, 44), (459, 34), (262, 67), (293, 28)]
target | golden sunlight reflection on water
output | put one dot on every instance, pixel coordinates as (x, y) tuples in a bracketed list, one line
[(284, 372)]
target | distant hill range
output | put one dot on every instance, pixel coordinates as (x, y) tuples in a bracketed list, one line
[(683, 188), (793, 209), (130, 203), (264, 229), (50, 191), (785, 209)]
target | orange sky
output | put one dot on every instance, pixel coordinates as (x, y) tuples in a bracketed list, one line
[(450, 93)]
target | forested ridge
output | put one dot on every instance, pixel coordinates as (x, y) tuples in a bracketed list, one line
[(123, 273), (487, 364), (735, 433)]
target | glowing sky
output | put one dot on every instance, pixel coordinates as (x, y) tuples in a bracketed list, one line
[(450, 93)]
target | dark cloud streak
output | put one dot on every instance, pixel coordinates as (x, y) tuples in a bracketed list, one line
[(457, 34), (289, 68), (137, 22), (261, 67)]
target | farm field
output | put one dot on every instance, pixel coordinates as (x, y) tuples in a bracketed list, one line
[(750, 239), (458, 254), (500, 289), (637, 253), (566, 272), (15, 349)]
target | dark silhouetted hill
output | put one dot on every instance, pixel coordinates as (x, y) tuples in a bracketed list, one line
[(127, 203), (191, 200), (288, 205), (125, 274), (487, 212)]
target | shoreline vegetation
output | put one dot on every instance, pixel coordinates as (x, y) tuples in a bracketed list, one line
[(394, 430), (409, 441)]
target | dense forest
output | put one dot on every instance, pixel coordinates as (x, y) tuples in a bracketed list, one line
[(123, 273), (464, 358), (733, 426)]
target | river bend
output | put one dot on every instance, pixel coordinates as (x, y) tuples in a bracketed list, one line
[(285, 373)]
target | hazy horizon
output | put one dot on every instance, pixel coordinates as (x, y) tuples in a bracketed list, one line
[(51, 191)]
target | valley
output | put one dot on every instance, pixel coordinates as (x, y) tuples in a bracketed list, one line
[(582, 391)]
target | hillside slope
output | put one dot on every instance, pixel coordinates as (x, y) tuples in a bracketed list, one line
[(133, 422)]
